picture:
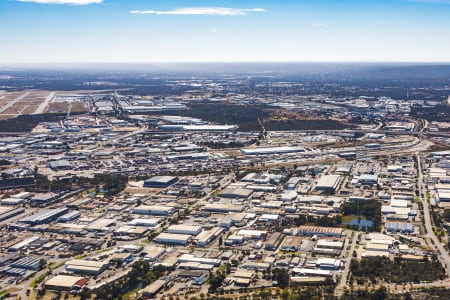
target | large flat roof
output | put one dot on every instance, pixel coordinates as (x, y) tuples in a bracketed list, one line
[(64, 281), (271, 150)]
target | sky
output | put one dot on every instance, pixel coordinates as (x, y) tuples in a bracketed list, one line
[(152, 31)]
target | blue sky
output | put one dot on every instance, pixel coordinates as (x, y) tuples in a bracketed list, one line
[(73, 31)]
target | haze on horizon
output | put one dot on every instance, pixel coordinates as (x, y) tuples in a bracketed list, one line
[(138, 31)]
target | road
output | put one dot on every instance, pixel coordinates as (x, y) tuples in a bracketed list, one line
[(342, 283), (11, 103), (44, 104), (444, 257)]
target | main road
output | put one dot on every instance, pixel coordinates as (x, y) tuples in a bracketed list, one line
[(444, 257), (343, 281)]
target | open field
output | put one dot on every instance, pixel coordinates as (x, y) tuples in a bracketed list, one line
[(13, 104)]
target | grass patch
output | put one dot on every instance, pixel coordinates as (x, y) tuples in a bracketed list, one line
[(129, 294), (38, 279)]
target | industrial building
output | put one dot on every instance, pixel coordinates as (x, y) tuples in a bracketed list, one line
[(45, 216), (70, 216), (152, 289), (186, 258), (328, 263), (328, 183), (152, 253), (271, 150), (66, 283), (320, 231), (291, 243), (184, 229), (156, 210), (85, 266), (173, 238), (7, 213), (160, 181), (274, 240), (231, 192), (62, 164), (27, 263), (207, 236), (399, 227), (220, 207)]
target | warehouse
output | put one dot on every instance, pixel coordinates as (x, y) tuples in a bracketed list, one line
[(399, 227), (274, 241), (7, 213), (328, 263), (85, 266), (320, 231), (152, 253), (45, 216), (368, 179), (184, 229), (221, 207), (312, 272), (321, 243), (252, 234), (207, 236), (12, 201), (328, 183), (70, 216), (291, 243), (292, 183), (250, 265), (288, 196), (160, 181), (23, 244), (43, 199), (210, 127), (172, 238), (62, 164), (151, 222), (153, 210), (101, 224), (271, 150), (152, 289), (189, 258), (234, 239), (237, 193), (27, 263), (66, 283)]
